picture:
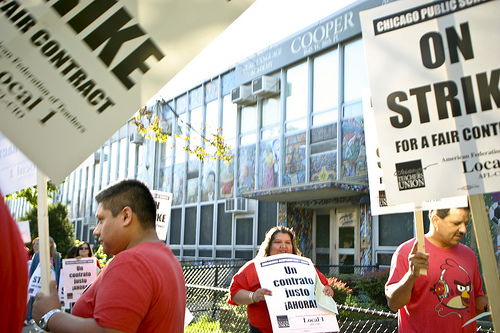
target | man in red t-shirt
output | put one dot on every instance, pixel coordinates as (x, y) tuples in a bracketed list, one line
[(142, 289), (451, 292)]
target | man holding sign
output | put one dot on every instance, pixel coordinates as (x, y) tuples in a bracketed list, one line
[(246, 284), (141, 290), (451, 293)]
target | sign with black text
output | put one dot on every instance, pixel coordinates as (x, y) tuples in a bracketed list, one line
[(293, 306), (163, 208), (77, 274), (434, 70), (73, 72)]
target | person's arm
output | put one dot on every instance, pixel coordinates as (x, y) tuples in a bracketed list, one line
[(243, 296), (61, 321), (481, 303), (399, 294)]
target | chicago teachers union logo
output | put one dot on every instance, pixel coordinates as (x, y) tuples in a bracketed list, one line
[(410, 175)]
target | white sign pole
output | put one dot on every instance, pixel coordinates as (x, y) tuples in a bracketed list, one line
[(419, 223), (43, 232)]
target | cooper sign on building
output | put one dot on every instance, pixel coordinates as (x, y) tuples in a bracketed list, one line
[(434, 70), (72, 72)]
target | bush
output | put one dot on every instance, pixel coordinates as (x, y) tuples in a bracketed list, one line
[(340, 290), (367, 290)]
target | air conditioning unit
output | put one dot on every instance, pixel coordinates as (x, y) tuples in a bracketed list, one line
[(243, 95), (265, 86), (136, 138), (236, 205)]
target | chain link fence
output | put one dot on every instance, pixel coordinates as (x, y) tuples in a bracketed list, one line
[(207, 289)]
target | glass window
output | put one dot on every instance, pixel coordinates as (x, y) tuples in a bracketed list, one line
[(190, 226), (270, 118), (196, 128), (211, 90), (247, 169), (353, 148), (248, 125), (269, 163), (178, 184), (175, 226), (268, 218), (114, 161), (105, 164), (211, 124), (208, 186), (226, 179), (229, 113), (244, 231), (355, 73), (206, 224), (296, 97), (123, 161), (192, 181), (224, 226), (325, 88), (228, 83), (394, 229), (195, 98), (295, 159)]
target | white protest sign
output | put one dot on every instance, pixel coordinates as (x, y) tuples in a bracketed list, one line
[(434, 71), (24, 229), (163, 207), (17, 172), (378, 198), (293, 306), (77, 275), (73, 72), (35, 284)]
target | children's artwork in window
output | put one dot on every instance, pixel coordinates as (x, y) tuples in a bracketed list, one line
[(208, 187), (295, 159), (323, 167), (226, 180), (353, 148), (247, 169), (269, 163)]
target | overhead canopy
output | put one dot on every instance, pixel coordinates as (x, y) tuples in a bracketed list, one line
[(309, 192)]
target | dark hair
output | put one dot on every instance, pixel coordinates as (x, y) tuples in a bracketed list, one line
[(443, 213), (72, 253), (265, 247), (130, 193)]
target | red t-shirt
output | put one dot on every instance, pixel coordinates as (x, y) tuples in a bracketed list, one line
[(142, 289), (258, 314), (445, 298), (13, 273)]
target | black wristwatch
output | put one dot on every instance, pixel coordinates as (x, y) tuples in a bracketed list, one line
[(45, 319), (486, 307)]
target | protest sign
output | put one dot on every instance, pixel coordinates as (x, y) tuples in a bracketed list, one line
[(35, 283), (293, 306), (16, 170), (77, 274), (434, 71), (73, 72), (163, 207), (379, 205)]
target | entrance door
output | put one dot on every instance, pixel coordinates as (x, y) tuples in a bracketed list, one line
[(348, 239), (336, 239)]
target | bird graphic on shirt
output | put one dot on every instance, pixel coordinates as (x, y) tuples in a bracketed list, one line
[(454, 287)]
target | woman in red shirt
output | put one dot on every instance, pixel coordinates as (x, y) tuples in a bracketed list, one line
[(245, 286)]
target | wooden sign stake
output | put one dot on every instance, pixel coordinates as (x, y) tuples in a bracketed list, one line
[(481, 225), (419, 223)]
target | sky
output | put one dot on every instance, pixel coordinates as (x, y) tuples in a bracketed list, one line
[(264, 23)]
